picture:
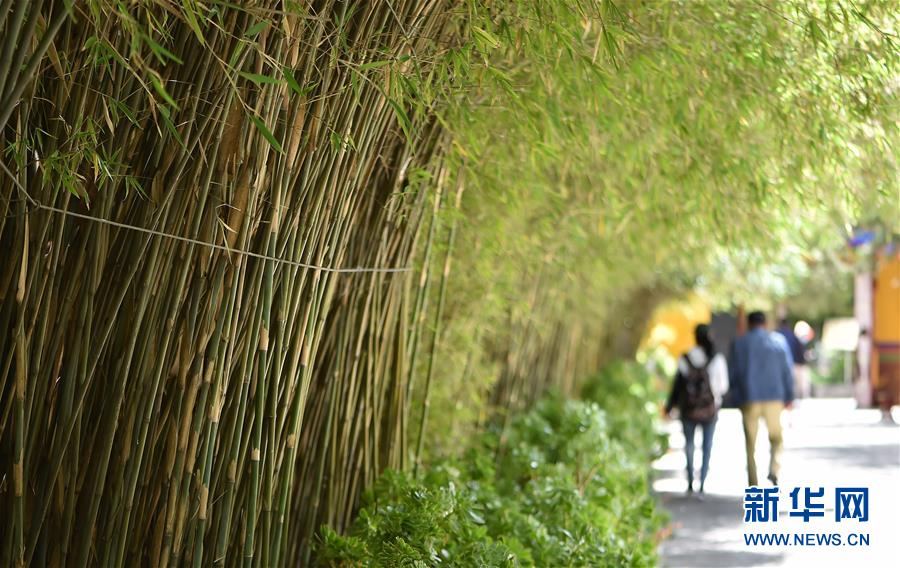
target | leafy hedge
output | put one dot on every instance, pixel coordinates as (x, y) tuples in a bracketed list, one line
[(626, 391), (566, 485)]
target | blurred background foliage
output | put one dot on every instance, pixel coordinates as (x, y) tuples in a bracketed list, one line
[(619, 154)]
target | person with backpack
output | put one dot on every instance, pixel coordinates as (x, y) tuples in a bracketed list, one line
[(700, 384)]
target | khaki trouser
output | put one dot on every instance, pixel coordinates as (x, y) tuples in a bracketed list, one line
[(770, 411)]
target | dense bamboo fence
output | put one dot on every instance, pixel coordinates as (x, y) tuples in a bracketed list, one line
[(167, 402), (225, 267)]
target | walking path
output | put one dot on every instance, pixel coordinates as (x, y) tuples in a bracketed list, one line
[(828, 443)]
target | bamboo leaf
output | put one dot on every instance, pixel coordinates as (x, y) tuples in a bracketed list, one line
[(291, 81), (162, 54), (123, 108), (191, 14), (170, 126), (160, 89), (374, 64), (236, 53), (260, 79), (267, 134), (486, 37), (403, 118), (256, 28)]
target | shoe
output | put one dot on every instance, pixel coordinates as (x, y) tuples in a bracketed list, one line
[(690, 489), (774, 479)]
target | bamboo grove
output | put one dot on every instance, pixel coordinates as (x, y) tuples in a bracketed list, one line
[(256, 253)]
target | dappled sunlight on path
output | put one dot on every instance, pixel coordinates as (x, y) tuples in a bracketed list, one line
[(828, 443)]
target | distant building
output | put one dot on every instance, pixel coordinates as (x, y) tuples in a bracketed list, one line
[(885, 364)]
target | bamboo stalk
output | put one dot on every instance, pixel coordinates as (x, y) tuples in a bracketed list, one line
[(442, 294)]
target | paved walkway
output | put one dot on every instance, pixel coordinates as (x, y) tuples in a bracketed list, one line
[(828, 443)]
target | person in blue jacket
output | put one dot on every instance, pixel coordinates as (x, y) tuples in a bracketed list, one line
[(762, 385)]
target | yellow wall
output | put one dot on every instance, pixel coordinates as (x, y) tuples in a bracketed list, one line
[(887, 302), (674, 322)]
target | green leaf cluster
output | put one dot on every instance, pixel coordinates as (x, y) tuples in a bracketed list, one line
[(630, 396)]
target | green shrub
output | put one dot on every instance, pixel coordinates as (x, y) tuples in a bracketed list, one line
[(560, 487), (566, 487), (409, 522), (626, 391)]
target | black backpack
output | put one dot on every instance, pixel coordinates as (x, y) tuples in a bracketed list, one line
[(698, 403)]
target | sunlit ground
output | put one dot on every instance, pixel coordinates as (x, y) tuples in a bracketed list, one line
[(828, 443)]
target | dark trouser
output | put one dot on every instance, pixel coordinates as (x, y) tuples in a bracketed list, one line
[(708, 429)]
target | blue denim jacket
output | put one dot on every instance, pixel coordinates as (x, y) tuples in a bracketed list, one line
[(759, 369)]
